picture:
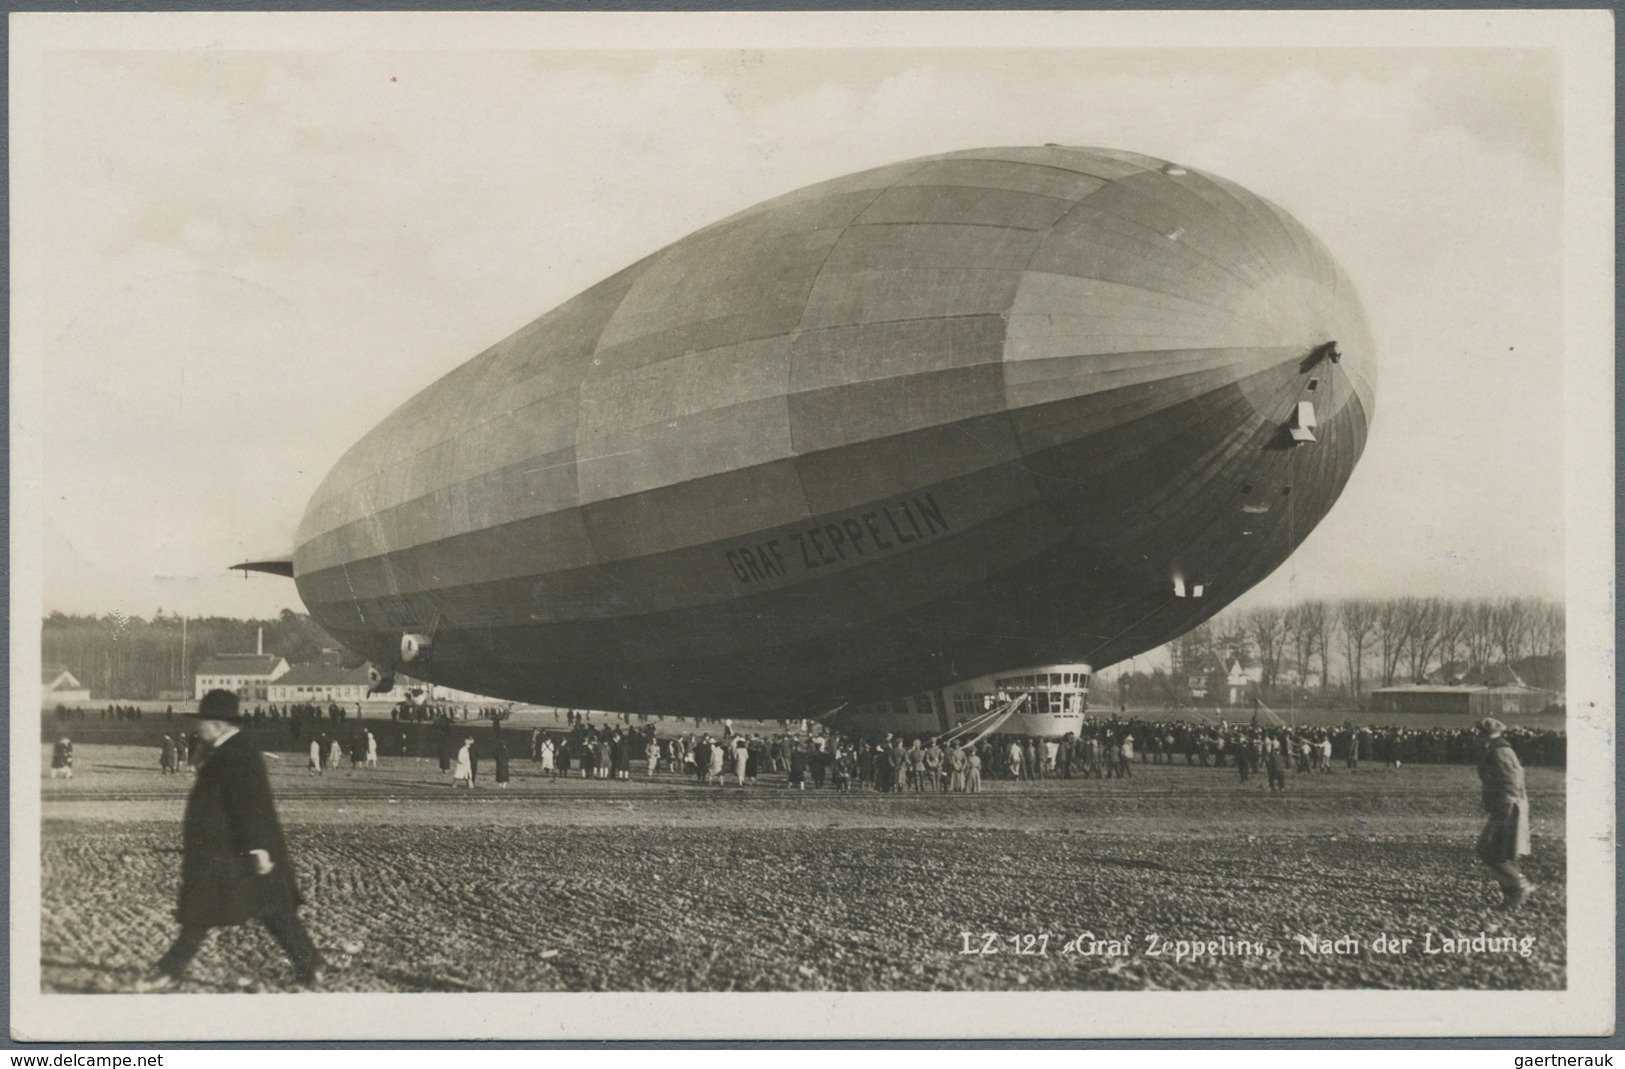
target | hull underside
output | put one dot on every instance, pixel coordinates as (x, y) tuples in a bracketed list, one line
[(1063, 553)]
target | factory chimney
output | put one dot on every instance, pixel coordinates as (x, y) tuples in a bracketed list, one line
[(259, 647)]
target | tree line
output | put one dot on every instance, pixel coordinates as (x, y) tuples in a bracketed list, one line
[(1346, 648), (119, 656), (1327, 649)]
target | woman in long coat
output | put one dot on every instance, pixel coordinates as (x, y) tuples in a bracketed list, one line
[(502, 763), (620, 747), (463, 773)]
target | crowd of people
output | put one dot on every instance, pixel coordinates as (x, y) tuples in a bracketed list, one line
[(1106, 749), (64, 714), (435, 712), (883, 762)]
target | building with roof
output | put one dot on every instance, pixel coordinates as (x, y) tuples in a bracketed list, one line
[(320, 683), (58, 685), (1223, 678), (1456, 673), (1242, 678), (248, 675), (1468, 700)]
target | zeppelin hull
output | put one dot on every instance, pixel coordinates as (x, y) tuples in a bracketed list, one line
[(906, 427)]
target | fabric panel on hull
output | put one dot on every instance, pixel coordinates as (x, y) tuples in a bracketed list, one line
[(965, 205), (847, 355), (991, 174), (921, 246)]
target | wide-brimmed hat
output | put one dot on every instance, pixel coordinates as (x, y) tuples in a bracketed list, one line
[(1490, 726)]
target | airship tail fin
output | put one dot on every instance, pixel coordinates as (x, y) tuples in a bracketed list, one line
[(275, 567)]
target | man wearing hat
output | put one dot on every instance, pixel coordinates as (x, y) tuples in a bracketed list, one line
[(1505, 837), (235, 865)]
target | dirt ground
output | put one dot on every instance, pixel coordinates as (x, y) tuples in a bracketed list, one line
[(1175, 879)]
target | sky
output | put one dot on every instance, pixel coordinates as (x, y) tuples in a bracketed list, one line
[(247, 258)]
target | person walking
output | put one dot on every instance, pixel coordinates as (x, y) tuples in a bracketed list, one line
[(463, 772), (372, 750), (502, 763), (166, 758), (1505, 837), (714, 773), (957, 764), (62, 758), (798, 768), (235, 864), (700, 758), (1275, 762), (897, 766)]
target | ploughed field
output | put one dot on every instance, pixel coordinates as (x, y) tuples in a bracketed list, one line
[(1178, 878)]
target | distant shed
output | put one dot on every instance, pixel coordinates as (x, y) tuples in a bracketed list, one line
[(57, 684), (1467, 700)]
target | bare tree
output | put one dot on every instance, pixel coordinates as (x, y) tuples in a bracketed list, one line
[(1422, 631), (1357, 619), (1233, 640), (1392, 631), (1478, 632), (1547, 629), (1309, 624), (1266, 627), (1453, 620), (1510, 623)]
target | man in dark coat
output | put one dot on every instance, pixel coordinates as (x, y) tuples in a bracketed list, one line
[(1505, 837), (235, 865), (502, 762)]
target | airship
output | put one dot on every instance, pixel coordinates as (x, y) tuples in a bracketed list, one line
[(922, 423)]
